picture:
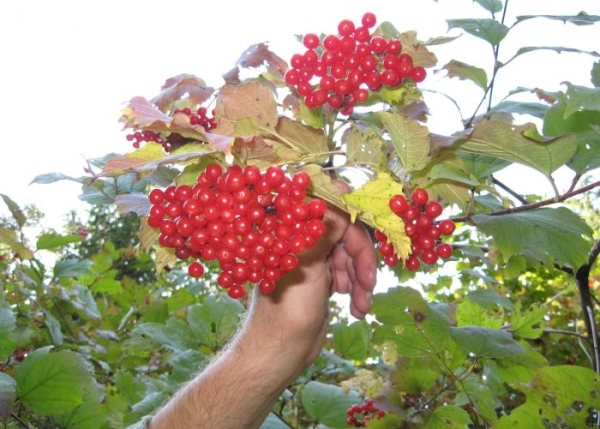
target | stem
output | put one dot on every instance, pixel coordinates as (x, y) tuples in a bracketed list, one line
[(513, 193), (582, 280), (560, 331), (490, 88), (538, 204)]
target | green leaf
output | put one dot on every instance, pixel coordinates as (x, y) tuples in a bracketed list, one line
[(486, 342), (482, 166), (409, 138), (8, 394), (7, 328), (53, 327), (468, 313), (537, 110), (414, 375), (467, 72), (53, 383), (53, 240), (146, 406), (493, 6), (521, 144), (530, 323), (185, 364), (328, 403), (585, 125), (352, 340), (558, 49), (489, 298), (407, 321), (489, 30), (15, 210), (557, 232), (558, 396), (596, 74), (365, 148), (520, 368), (449, 417), (175, 334), (274, 422), (72, 268), (89, 415), (10, 237), (581, 98), (478, 392), (582, 18), (214, 321)]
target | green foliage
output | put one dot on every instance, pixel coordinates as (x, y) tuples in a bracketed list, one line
[(98, 326)]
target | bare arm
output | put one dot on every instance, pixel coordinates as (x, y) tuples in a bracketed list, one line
[(282, 335)]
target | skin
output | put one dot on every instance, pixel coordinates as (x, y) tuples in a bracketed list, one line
[(282, 335)]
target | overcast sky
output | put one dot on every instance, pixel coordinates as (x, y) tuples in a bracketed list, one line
[(67, 67)]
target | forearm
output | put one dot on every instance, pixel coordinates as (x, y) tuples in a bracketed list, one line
[(238, 389)]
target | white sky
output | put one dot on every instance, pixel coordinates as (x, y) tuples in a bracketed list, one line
[(67, 67)]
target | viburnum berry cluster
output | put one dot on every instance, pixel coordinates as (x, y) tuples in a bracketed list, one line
[(252, 223), (419, 216), (359, 414), (199, 116), (139, 137), (340, 70)]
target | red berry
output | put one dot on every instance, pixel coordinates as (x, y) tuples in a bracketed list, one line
[(156, 196), (418, 74), (236, 291), (433, 209), (420, 196), (196, 269), (369, 20), (444, 250), (346, 27), (412, 263), (310, 40), (398, 204), (447, 227)]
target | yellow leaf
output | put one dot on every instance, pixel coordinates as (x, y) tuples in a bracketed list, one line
[(370, 203), (368, 383)]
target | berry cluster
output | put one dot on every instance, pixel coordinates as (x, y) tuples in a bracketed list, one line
[(340, 70), (419, 216), (359, 414), (198, 117), (252, 223), (139, 137)]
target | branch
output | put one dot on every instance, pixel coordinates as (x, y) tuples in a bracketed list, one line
[(538, 204), (587, 306)]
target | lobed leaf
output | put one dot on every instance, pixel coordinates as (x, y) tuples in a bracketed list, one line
[(558, 396), (519, 143), (407, 321), (328, 403), (581, 98), (409, 139), (556, 232), (486, 342), (53, 382), (371, 204)]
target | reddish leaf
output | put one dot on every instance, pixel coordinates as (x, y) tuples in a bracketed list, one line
[(178, 86)]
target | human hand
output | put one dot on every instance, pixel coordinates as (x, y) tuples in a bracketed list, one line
[(295, 316)]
